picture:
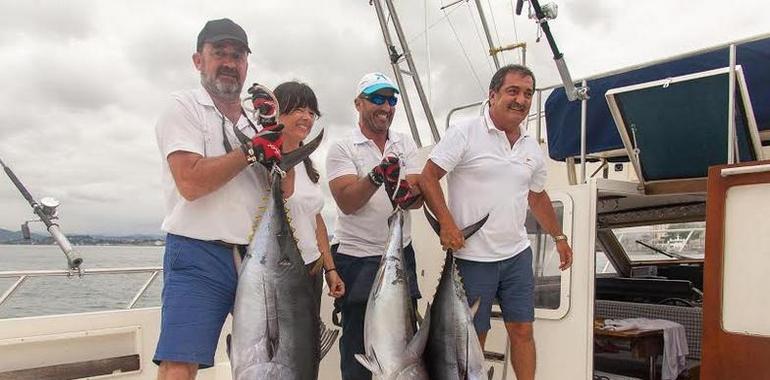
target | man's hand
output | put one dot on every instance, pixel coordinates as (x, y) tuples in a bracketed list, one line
[(386, 172), (565, 254), (267, 146), (405, 195), (335, 283), (451, 237)]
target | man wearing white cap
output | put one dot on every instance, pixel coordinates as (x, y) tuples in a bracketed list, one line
[(369, 158)]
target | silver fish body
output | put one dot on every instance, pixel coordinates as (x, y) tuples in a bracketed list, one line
[(276, 330), (453, 351), (393, 346)]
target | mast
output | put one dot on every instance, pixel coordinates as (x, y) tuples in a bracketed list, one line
[(395, 62)]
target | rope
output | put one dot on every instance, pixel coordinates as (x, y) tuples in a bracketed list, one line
[(515, 31), (484, 52), (494, 25), (465, 53), (418, 35), (427, 52)]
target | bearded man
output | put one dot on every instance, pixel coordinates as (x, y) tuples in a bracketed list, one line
[(207, 142)]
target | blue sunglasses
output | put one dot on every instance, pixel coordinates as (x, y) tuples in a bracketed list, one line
[(381, 99)]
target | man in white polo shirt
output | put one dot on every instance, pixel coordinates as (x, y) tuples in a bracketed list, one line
[(207, 143), (360, 168), (495, 169)]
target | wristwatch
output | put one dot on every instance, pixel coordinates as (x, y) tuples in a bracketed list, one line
[(559, 237)]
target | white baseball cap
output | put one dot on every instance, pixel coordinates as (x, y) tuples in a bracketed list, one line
[(373, 82)]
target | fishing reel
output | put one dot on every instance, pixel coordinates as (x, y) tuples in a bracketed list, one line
[(550, 11), (49, 207), (262, 104)]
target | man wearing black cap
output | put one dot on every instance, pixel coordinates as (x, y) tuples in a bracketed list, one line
[(206, 141)]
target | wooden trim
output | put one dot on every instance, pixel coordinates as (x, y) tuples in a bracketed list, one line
[(726, 355), (77, 370), (683, 186)]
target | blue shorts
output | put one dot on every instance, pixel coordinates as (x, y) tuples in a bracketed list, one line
[(510, 281), (199, 282)]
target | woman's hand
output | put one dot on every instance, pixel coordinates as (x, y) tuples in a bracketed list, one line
[(335, 283)]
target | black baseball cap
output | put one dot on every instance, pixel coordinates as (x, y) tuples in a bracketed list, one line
[(220, 30)]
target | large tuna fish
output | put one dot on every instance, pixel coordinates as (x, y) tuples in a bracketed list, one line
[(276, 331), (393, 349), (453, 351)]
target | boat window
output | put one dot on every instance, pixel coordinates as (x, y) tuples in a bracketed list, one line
[(663, 242), (603, 264), (545, 262)]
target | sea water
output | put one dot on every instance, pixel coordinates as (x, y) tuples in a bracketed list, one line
[(92, 292)]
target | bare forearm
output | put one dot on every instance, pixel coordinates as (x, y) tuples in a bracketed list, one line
[(542, 209), (432, 194), (352, 194), (197, 176), (414, 188), (322, 237)]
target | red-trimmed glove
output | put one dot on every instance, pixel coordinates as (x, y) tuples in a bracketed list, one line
[(265, 104), (404, 196), (386, 172), (266, 146)]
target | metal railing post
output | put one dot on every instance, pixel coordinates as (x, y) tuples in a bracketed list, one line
[(397, 72), (412, 70)]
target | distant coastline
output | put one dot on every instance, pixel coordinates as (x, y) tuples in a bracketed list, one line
[(16, 238)]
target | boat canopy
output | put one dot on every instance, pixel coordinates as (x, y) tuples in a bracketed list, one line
[(602, 136)]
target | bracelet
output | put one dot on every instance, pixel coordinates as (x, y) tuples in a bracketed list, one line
[(374, 179), (251, 155), (330, 270), (559, 238)]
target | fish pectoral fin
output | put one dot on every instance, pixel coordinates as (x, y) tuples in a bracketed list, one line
[(229, 341), (475, 306), (416, 346), (328, 337), (371, 364), (271, 317)]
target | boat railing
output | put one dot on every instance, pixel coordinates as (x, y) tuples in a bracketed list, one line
[(22, 275)]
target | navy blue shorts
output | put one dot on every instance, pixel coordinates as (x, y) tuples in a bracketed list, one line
[(199, 282), (510, 281)]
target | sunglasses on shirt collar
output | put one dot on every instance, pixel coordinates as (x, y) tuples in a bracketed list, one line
[(379, 100)]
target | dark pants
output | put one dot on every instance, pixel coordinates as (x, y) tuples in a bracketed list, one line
[(358, 274), (352, 342)]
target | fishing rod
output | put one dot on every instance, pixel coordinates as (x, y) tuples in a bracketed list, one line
[(46, 211), (541, 16)]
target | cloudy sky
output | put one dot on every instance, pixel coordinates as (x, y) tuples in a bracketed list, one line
[(83, 81)]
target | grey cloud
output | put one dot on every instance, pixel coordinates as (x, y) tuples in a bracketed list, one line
[(52, 20), (83, 82)]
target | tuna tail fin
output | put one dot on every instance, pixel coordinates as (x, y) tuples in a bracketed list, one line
[(370, 363), (289, 160), (470, 230), (467, 231), (328, 336)]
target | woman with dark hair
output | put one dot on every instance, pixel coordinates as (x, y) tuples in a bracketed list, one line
[(298, 112)]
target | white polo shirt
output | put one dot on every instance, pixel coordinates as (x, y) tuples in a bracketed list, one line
[(487, 175), (192, 123), (304, 204), (365, 232)]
